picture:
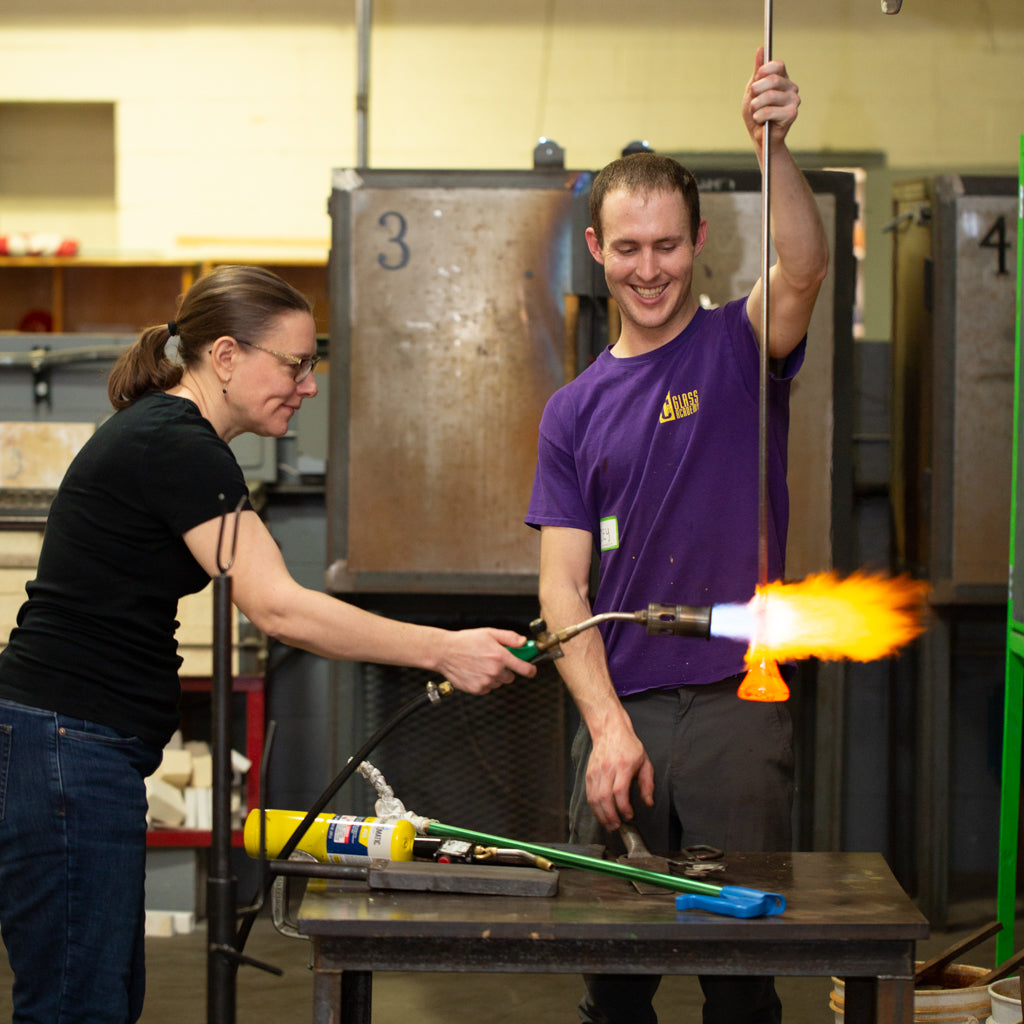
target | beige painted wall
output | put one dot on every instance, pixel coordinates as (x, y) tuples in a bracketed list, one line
[(230, 114)]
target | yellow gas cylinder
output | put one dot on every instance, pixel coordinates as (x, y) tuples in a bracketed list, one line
[(333, 838)]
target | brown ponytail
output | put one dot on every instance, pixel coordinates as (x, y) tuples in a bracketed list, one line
[(144, 367)]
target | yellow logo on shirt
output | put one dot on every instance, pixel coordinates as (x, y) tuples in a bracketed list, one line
[(676, 407)]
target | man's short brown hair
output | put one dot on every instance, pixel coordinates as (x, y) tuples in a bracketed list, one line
[(643, 173)]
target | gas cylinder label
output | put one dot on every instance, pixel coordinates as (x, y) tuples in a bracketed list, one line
[(351, 840), (342, 841)]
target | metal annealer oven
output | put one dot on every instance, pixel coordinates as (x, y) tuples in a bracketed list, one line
[(448, 324)]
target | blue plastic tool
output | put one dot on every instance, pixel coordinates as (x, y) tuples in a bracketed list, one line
[(735, 901)]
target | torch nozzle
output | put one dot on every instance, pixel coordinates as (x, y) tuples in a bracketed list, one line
[(676, 620)]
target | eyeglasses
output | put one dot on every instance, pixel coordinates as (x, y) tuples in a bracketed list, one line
[(303, 365)]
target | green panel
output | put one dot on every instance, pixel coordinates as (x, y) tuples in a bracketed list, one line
[(1009, 820), (1017, 512)]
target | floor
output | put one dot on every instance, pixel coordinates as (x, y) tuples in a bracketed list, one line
[(176, 991)]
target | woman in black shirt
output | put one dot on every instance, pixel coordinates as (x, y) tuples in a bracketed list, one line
[(88, 683)]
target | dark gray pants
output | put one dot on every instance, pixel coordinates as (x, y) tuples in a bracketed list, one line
[(723, 775)]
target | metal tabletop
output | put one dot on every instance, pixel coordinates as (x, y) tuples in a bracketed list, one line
[(846, 916)]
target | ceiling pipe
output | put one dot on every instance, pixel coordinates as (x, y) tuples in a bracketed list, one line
[(364, 20)]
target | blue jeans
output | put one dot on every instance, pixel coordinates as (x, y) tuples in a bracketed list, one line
[(72, 866)]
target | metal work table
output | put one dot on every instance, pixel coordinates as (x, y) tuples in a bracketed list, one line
[(846, 916)]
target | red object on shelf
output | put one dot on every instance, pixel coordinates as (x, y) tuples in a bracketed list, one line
[(37, 243), (38, 320), (255, 710)]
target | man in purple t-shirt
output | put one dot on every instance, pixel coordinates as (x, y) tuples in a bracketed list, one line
[(651, 457)]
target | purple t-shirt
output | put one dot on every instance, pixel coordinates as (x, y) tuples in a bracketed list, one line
[(656, 456)]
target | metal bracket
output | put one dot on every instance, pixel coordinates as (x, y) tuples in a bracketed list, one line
[(222, 564), (42, 358)]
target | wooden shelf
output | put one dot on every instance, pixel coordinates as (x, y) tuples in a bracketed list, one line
[(118, 295)]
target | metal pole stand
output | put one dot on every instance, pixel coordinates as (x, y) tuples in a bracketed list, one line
[(223, 954)]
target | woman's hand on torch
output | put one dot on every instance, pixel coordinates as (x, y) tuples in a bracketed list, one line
[(479, 660)]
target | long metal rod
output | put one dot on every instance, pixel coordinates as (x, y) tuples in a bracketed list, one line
[(762, 453)]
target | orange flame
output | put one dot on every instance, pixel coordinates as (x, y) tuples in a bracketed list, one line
[(862, 618)]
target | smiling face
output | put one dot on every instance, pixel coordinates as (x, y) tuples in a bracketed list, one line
[(647, 251), (263, 383)]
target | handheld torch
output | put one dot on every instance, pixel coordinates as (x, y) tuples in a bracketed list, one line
[(658, 619)]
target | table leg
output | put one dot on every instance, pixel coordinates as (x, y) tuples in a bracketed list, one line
[(342, 998), (356, 997), (878, 1001), (326, 997)]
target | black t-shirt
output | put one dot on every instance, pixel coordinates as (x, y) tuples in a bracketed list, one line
[(95, 639)]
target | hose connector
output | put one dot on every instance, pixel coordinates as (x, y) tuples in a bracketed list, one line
[(435, 691)]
